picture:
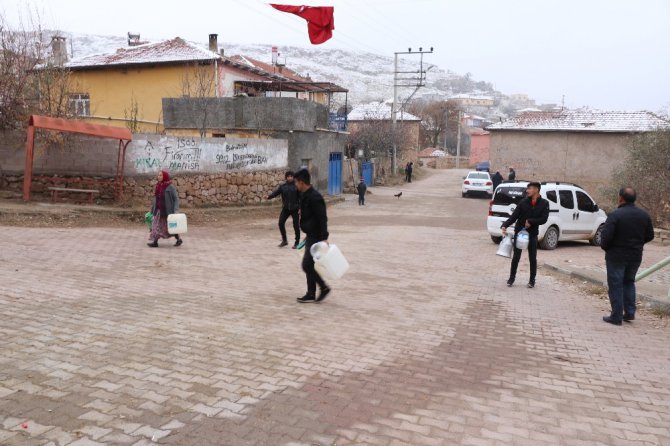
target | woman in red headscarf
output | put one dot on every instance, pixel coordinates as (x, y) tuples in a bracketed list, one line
[(166, 202)]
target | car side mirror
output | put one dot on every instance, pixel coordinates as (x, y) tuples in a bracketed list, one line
[(595, 207)]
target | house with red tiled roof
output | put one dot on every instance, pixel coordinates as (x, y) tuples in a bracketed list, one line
[(126, 87)]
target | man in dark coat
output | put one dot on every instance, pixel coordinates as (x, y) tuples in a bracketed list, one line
[(512, 174), (531, 213), (497, 178), (626, 231), (361, 188), (314, 223), (408, 170), (290, 207)]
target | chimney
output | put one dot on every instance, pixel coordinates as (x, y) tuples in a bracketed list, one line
[(58, 50), (213, 43), (133, 39), (275, 55)]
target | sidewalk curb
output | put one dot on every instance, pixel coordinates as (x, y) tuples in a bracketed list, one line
[(650, 301)]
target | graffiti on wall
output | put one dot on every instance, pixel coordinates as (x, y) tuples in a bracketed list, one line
[(187, 154)]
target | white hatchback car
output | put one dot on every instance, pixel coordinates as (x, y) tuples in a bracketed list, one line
[(477, 182), (573, 215)]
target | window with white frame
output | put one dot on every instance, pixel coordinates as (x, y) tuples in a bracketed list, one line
[(80, 104)]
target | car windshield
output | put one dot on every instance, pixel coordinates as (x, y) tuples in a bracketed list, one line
[(478, 176), (509, 195)]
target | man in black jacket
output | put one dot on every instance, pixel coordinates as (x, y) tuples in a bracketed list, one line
[(626, 231), (290, 206), (314, 223), (361, 188), (512, 174), (531, 213)]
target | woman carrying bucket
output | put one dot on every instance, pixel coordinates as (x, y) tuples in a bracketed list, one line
[(166, 202)]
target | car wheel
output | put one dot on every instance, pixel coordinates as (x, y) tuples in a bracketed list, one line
[(464, 194), (496, 239), (550, 240), (597, 237)]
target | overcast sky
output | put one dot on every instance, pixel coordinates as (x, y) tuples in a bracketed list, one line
[(612, 54)]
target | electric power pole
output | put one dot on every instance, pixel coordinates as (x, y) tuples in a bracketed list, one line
[(400, 82)]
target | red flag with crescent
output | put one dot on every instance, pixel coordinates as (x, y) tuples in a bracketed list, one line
[(320, 23)]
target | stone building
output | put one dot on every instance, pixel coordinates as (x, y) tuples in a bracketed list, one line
[(573, 146)]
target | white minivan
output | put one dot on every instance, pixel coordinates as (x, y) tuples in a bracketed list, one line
[(573, 215)]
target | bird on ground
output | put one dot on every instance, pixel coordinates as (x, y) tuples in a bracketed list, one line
[(398, 195)]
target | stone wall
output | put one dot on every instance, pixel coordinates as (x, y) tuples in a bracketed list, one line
[(194, 190)]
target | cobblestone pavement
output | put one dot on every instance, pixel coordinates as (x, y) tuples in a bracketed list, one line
[(105, 341)]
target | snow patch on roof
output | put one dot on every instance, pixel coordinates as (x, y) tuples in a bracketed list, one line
[(378, 111), (584, 121), (168, 51)]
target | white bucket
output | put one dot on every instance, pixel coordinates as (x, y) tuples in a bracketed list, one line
[(176, 224), (506, 247), (329, 261)]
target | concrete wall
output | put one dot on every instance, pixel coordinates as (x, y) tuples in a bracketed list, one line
[(264, 114), (583, 158), (151, 153)]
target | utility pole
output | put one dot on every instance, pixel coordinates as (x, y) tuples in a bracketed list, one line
[(458, 141), (411, 81)]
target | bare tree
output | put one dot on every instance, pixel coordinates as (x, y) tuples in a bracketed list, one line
[(20, 52), (131, 115), (647, 169), (376, 135), (200, 82)]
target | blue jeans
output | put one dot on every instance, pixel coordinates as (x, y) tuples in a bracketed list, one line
[(621, 287)]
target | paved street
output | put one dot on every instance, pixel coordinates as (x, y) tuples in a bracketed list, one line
[(105, 341)]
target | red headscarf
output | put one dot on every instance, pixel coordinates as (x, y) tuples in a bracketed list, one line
[(162, 185)]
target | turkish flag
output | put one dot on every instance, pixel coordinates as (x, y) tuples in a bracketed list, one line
[(320, 23)]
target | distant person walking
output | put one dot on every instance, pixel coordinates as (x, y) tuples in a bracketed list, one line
[(626, 231), (166, 202), (496, 178), (531, 213), (512, 174), (361, 188), (290, 208), (408, 172), (314, 223)]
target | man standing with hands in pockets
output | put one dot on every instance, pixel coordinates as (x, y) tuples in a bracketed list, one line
[(314, 223), (531, 213)]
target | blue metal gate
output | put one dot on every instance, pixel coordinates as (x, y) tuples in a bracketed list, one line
[(335, 173), (366, 172)]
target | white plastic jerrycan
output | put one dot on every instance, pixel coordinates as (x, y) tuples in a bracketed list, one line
[(506, 246), (329, 261), (522, 239), (176, 224)]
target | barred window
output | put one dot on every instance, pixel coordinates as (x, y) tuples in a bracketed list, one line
[(80, 104)]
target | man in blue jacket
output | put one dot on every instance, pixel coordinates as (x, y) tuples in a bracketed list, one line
[(314, 223), (531, 213), (626, 231)]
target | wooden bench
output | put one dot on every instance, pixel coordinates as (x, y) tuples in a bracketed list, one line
[(55, 190)]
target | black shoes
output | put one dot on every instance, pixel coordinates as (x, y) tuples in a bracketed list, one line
[(179, 242), (295, 245), (154, 244), (510, 282), (531, 284), (283, 243), (306, 299), (609, 320), (628, 318), (323, 294)]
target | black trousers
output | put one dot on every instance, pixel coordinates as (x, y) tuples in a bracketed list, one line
[(313, 278), (361, 199), (532, 257), (285, 213)]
